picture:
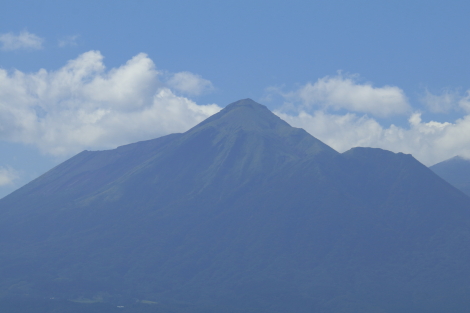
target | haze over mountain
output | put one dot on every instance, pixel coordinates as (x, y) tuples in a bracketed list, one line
[(241, 213), (456, 171)]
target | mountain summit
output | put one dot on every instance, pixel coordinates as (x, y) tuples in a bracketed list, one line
[(241, 213)]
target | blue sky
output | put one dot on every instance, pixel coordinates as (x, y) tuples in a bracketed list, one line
[(93, 75)]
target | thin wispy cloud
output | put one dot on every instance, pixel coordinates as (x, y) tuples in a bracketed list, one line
[(7, 176), (441, 103), (24, 40), (69, 41)]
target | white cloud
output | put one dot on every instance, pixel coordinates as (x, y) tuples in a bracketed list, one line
[(7, 176), (84, 106), (340, 92), (68, 41), (429, 142), (24, 40), (190, 84)]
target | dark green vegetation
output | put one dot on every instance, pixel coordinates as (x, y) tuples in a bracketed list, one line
[(242, 213), (456, 171)]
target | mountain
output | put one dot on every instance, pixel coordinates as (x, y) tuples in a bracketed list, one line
[(242, 213), (456, 171)]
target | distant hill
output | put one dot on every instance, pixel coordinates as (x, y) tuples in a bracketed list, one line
[(242, 213), (456, 171)]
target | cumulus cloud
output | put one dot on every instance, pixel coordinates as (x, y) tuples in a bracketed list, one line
[(345, 92), (68, 41), (429, 142), (85, 106), (190, 84), (7, 176), (24, 40)]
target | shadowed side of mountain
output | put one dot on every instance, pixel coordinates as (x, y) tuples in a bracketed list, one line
[(405, 194), (412, 217), (456, 171), (377, 169)]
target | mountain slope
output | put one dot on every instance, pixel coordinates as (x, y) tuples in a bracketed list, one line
[(456, 171), (242, 212)]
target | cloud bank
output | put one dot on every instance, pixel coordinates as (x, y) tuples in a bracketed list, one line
[(85, 106), (24, 40)]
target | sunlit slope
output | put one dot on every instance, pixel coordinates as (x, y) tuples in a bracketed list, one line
[(241, 212)]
